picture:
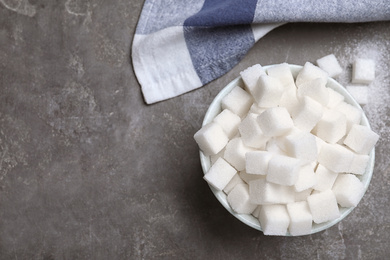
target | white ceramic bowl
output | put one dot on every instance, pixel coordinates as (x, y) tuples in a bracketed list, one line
[(215, 109)]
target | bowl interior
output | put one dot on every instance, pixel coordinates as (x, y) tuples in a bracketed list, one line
[(215, 109)]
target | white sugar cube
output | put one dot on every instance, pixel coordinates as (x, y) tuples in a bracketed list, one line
[(363, 71), (301, 219), (275, 121), (332, 126), (282, 72), (359, 93), (353, 114), (307, 114), (238, 199), (263, 192), (256, 162), (251, 133), (323, 206), (301, 145), (320, 143), (238, 101), (268, 91), (306, 178), (289, 99), (256, 212), (255, 109), (274, 220), (283, 170), (359, 164), (310, 72), (335, 98), (335, 157), (274, 147), (251, 75), (228, 121), (247, 177), (281, 140), (214, 157), (235, 153), (302, 195), (348, 190), (330, 65), (232, 183), (211, 138), (325, 178), (220, 174), (361, 139), (316, 90)]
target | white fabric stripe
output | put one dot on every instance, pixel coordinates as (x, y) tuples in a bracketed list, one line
[(157, 67), (259, 30)]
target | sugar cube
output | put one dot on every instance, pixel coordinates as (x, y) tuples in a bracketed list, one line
[(211, 138), (263, 192), (232, 183), (220, 174), (330, 65), (256, 162), (323, 206), (274, 220), (238, 101), (348, 190), (359, 164), (228, 121), (306, 178), (268, 91), (315, 89), (332, 126), (361, 139), (353, 114), (319, 143), (325, 178), (335, 157), (307, 114), (275, 121), (283, 170), (301, 219), (301, 145), (282, 72), (255, 109), (359, 93), (247, 177), (273, 146), (256, 212), (335, 98), (363, 71), (251, 133), (214, 157), (238, 199), (289, 99), (251, 75), (302, 195), (235, 153), (310, 72)]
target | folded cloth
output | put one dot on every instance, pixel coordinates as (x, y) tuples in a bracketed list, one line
[(181, 45)]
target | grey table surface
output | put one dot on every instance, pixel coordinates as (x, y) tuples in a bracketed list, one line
[(88, 171)]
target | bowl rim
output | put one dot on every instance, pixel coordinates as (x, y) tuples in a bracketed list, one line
[(249, 219)]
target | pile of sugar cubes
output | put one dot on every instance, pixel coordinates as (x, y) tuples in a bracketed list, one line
[(287, 150)]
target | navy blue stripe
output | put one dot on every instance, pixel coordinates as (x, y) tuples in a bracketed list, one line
[(216, 50), (222, 13), (219, 36)]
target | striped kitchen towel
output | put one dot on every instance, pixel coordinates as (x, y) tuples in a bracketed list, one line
[(180, 45)]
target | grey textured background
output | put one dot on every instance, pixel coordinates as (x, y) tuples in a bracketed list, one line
[(88, 171)]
